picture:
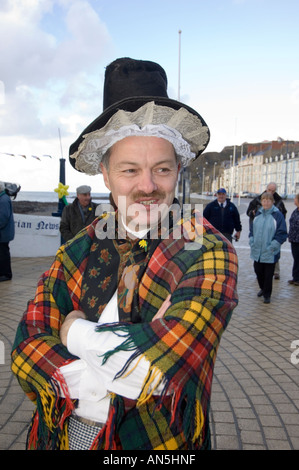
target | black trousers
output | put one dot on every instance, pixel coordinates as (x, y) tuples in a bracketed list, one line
[(228, 236), (5, 265), (264, 273), (295, 253)]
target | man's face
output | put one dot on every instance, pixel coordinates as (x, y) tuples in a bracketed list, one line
[(84, 199), (271, 188), (221, 197), (143, 171)]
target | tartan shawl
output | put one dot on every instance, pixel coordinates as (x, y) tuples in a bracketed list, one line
[(181, 347)]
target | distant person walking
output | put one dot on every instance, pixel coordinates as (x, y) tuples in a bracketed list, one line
[(7, 233), (224, 215), (77, 215), (294, 240), (255, 204), (267, 233)]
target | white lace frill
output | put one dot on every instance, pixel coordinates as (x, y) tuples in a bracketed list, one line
[(181, 128)]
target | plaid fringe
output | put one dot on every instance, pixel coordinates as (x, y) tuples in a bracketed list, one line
[(49, 427)]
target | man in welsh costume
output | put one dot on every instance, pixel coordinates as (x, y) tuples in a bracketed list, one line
[(117, 348)]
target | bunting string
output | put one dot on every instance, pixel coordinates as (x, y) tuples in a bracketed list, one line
[(24, 156)]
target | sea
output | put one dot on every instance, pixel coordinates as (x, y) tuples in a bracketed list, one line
[(52, 196)]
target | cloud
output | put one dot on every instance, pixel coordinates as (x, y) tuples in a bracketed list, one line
[(48, 76), (32, 56), (2, 93), (85, 44), (20, 113), (24, 47)]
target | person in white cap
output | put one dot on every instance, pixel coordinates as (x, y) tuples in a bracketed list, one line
[(78, 214)]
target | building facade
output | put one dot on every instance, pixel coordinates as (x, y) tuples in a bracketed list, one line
[(252, 172)]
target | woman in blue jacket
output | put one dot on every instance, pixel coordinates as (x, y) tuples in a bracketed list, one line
[(294, 240), (267, 233)]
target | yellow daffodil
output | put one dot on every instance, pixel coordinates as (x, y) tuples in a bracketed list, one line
[(143, 244)]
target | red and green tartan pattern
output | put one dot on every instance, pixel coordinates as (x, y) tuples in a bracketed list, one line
[(38, 351), (182, 345)]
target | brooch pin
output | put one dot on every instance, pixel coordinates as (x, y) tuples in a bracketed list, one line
[(143, 244)]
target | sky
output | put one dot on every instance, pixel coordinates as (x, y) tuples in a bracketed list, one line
[(238, 64)]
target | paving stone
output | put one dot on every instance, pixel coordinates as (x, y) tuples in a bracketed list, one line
[(255, 393), (227, 443), (278, 445), (252, 437)]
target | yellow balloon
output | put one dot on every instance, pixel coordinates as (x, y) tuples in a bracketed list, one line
[(62, 190)]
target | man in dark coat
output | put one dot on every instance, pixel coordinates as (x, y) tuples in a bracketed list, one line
[(255, 204), (224, 215), (7, 233), (77, 215)]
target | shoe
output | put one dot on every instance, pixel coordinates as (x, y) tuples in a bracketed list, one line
[(266, 300), (276, 276), (260, 293), (296, 283), (291, 281), (5, 278)]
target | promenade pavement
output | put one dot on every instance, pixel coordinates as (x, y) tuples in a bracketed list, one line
[(255, 394)]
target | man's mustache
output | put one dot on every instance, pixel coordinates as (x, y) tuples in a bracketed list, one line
[(154, 195)]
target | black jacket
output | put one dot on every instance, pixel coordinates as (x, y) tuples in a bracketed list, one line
[(72, 220), (227, 223), (255, 204)]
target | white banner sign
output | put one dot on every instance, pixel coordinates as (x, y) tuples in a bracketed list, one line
[(36, 225)]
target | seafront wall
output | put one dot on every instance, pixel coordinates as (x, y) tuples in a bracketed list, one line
[(37, 231), (35, 236)]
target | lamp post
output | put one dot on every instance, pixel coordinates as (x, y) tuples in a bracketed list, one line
[(230, 176), (203, 177), (286, 175), (61, 180), (203, 180), (179, 74), (184, 175), (233, 171), (214, 175)]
